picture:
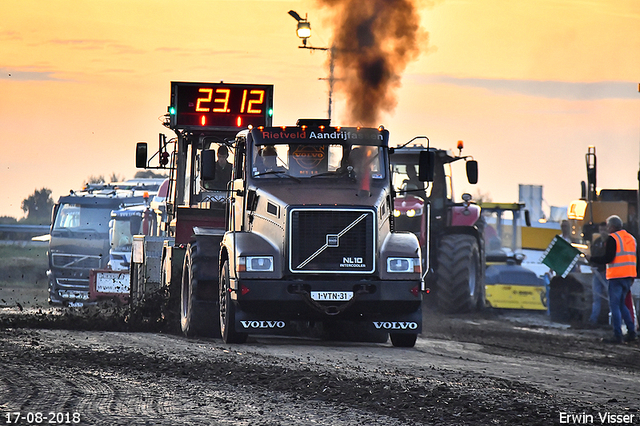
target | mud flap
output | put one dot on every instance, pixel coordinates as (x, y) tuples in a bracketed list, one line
[(262, 324), (410, 323), (106, 284)]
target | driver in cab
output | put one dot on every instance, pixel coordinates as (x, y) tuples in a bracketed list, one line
[(269, 157)]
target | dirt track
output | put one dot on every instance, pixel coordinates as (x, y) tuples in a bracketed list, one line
[(478, 369)]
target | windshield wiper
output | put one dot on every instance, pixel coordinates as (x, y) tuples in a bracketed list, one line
[(333, 173), (88, 229), (278, 172)]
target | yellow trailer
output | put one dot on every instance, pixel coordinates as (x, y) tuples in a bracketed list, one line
[(509, 285)]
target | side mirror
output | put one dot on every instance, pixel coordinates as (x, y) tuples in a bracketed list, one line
[(426, 167), (583, 190), (141, 155), (472, 171), (208, 165), (527, 218)]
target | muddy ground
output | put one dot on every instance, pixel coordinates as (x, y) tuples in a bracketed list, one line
[(491, 368)]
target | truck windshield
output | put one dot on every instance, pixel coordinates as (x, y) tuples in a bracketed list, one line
[(120, 232), (317, 160), (502, 231), (74, 217)]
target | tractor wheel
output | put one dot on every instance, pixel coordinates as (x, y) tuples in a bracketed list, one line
[(459, 280), (228, 311), (198, 316)]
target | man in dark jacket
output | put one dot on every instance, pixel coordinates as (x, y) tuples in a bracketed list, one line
[(599, 282)]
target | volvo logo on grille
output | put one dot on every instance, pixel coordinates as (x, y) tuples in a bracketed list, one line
[(333, 240)]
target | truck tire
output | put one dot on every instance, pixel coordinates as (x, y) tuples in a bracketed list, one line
[(134, 310), (134, 284), (198, 317), (460, 280), (227, 310), (170, 288), (403, 340)]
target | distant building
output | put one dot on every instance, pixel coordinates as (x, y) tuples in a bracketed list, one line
[(531, 196)]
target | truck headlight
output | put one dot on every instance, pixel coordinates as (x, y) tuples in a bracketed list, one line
[(255, 263), (403, 264)]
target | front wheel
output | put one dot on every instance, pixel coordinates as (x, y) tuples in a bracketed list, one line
[(460, 276), (197, 317), (227, 310)]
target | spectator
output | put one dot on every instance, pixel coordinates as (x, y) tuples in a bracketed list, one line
[(620, 258)]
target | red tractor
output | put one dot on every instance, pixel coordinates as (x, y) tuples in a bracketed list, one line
[(450, 232)]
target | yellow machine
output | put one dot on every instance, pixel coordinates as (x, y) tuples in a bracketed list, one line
[(570, 298), (508, 284), (595, 206)]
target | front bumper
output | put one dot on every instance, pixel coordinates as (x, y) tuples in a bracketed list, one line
[(264, 305), (68, 289)]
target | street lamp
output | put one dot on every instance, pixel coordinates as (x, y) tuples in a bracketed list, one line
[(304, 28), (303, 31)]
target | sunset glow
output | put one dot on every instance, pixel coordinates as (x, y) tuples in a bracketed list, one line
[(527, 86)]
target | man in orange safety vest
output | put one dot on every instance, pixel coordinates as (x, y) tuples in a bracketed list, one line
[(620, 258)]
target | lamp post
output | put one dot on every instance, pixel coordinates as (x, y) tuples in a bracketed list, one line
[(303, 31)]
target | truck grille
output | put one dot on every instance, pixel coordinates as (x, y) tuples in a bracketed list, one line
[(80, 261), (330, 241)]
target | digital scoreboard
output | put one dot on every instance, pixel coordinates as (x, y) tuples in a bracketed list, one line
[(220, 105)]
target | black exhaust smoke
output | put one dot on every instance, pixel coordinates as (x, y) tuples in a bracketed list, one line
[(374, 40)]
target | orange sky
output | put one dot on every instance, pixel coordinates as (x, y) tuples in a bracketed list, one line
[(527, 85)]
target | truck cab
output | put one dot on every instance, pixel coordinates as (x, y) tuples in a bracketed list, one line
[(310, 235), (79, 242), (79, 236)]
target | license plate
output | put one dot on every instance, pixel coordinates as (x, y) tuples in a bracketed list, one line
[(331, 296), (70, 294), (112, 282)]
